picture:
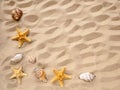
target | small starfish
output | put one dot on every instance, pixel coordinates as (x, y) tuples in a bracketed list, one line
[(18, 74), (60, 76), (21, 37)]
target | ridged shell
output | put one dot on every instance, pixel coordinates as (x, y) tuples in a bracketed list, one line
[(32, 59), (87, 76), (16, 59)]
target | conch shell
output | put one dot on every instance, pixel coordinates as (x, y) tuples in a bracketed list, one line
[(16, 59), (87, 76), (40, 74)]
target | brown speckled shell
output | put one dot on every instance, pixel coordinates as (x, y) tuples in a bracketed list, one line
[(17, 14)]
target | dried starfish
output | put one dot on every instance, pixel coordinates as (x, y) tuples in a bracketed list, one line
[(60, 76), (18, 74), (21, 37)]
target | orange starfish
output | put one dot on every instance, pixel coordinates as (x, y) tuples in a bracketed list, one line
[(21, 37), (60, 76)]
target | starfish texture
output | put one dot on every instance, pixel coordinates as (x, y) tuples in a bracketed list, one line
[(60, 76), (21, 37), (18, 74)]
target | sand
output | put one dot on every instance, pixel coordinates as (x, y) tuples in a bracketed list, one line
[(81, 35)]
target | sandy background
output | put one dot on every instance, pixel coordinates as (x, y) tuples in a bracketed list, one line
[(83, 35)]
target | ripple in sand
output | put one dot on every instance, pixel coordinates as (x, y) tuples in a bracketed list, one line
[(65, 62), (80, 47), (64, 2), (72, 8), (115, 27), (51, 30), (10, 3), (96, 8), (74, 39), (9, 85), (115, 38), (31, 18), (44, 55), (67, 22), (49, 4), (25, 4), (101, 18), (48, 22), (89, 25), (92, 36)]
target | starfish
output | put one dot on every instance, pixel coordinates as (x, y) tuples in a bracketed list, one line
[(18, 74), (60, 76), (21, 37)]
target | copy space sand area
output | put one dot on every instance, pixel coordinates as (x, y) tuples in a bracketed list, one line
[(82, 35)]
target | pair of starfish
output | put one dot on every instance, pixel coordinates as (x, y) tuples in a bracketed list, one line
[(21, 37), (60, 75)]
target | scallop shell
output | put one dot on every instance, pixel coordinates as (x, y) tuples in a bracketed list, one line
[(16, 59), (87, 76), (32, 59)]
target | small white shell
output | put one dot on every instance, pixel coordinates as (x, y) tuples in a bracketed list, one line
[(87, 76), (32, 59), (16, 59)]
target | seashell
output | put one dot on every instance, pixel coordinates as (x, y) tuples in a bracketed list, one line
[(16, 59), (87, 76), (16, 14), (40, 74), (32, 59)]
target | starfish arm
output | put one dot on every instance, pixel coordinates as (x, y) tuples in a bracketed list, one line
[(60, 83), (15, 38), (27, 39), (24, 74), (55, 72), (13, 76), (26, 32), (67, 76), (14, 70), (19, 80), (20, 43), (63, 70), (20, 68), (18, 30), (54, 79)]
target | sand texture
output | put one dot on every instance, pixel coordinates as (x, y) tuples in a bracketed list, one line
[(82, 35)]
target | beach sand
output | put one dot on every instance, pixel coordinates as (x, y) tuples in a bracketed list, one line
[(81, 35)]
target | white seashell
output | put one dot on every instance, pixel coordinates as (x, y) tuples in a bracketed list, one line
[(87, 76), (16, 59), (32, 59)]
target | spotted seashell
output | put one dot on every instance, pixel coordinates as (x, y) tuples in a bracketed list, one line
[(16, 14), (87, 76), (32, 59), (16, 59)]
